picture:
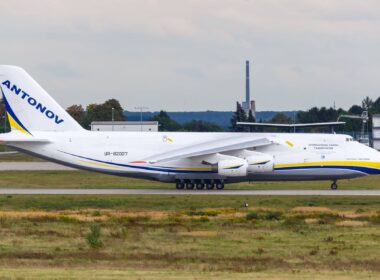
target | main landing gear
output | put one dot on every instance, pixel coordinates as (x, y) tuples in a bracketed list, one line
[(199, 184), (334, 185)]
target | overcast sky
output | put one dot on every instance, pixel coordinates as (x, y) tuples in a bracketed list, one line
[(190, 55)]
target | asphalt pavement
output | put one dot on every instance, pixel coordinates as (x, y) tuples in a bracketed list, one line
[(32, 166)]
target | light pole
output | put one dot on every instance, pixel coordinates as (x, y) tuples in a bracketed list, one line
[(141, 108)]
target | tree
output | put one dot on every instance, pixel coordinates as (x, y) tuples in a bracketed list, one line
[(103, 112), (4, 123), (281, 118), (251, 119), (355, 110), (367, 103), (201, 126), (118, 110), (376, 106), (165, 122), (78, 113), (238, 116)]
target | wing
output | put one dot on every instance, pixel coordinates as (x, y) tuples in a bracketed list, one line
[(210, 148)]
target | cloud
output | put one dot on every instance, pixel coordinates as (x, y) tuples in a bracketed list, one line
[(158, 53), (60, 69)]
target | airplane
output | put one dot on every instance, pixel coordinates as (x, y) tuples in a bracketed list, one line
[(42, 128)]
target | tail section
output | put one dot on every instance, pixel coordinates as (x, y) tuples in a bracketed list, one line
[(29, 107)]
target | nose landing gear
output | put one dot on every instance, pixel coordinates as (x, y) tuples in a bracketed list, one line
[(334, 185)]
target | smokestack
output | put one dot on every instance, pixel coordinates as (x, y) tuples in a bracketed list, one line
[(247, 93)]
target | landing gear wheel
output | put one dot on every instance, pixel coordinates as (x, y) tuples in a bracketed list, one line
[(190, 186), (209, 186), (219, 186), (200, 186), (334, 186), (180, 186)]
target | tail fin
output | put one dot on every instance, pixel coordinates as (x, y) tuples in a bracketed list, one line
[(29, 107)]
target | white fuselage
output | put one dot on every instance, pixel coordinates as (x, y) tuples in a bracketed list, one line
[(295, 156)]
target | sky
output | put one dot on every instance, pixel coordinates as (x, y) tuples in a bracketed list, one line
[(190, 55)]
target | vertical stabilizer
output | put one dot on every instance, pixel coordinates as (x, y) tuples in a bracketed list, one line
[(29, 107)]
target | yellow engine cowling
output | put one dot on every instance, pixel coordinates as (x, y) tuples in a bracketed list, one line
[(233, 167)]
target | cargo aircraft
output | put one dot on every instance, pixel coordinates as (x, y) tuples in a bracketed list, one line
[(42, 128)]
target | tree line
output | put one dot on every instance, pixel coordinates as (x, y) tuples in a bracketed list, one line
[(313, 115), (103, 112)]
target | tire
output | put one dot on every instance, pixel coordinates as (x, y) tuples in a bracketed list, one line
[(190, 186), (210, 186), (200, 186), (334, 186), (219, 186), (180, 186)]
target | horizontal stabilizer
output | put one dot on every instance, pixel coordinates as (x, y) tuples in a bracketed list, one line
[(16, 137)]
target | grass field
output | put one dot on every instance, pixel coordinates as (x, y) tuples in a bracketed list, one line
[(18, 157), (189, 237), (185, 237), (15, 157), (84, 179)]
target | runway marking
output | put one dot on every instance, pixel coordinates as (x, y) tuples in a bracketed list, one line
[(55, 191)]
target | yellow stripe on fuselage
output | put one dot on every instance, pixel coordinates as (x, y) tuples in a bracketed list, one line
[(99, 164), (332, 163)]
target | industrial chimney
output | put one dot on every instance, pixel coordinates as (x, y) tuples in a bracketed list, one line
[(248, 104), (247, 92)]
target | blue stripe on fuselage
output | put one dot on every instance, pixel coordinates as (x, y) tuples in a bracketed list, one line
[(367, 170)]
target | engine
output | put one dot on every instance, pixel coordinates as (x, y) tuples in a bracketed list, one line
[(233, 167), (259, 163)]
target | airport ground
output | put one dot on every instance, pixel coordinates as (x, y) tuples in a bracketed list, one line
[(185, 237), (189, 237)]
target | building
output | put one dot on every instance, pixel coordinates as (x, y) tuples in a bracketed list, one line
[(376, 131), (124, 126), (248, 104)]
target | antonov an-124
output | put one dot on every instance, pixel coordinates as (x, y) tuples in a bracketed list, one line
[(42, 128)]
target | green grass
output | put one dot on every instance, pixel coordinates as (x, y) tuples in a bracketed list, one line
[(85, 179), (172, 202), (188, 237), (72, 179), (18, 157)]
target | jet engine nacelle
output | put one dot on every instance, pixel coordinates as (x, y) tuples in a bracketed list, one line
[(233, 167), (259, 163)]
